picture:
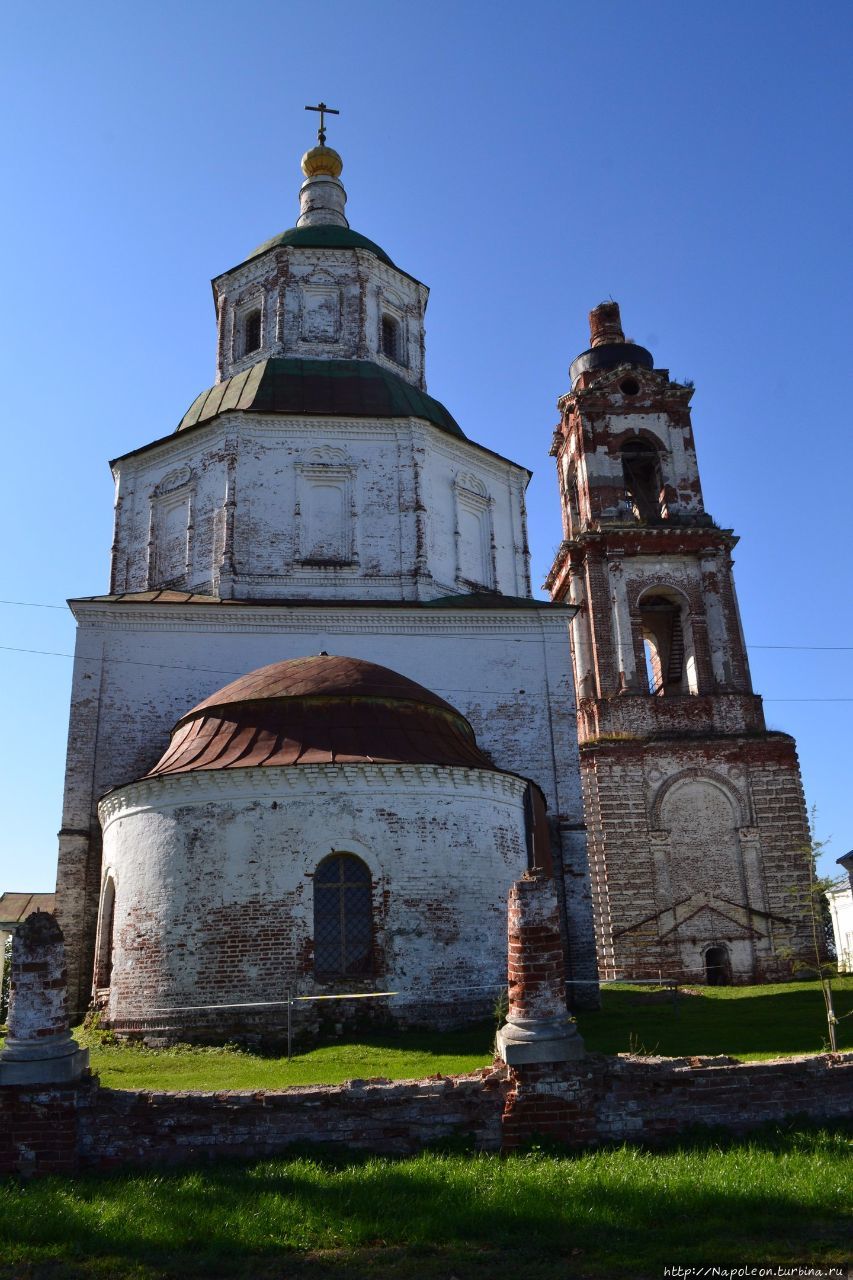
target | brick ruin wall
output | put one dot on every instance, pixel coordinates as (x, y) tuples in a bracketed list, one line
[(584, 1104), (543, 1085), (602, 1100)]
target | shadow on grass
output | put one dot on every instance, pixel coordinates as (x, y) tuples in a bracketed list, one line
[(777, 1023), (477, 1038), (625, 1212)]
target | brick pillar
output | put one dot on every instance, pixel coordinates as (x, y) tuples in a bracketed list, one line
[(538, 1028), (39, 1048), (605, 324)]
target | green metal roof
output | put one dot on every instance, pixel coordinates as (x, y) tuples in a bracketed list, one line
[(325, 388), (322, 237), (486, 600)]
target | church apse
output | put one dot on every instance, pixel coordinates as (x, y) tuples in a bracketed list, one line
[(322, 826)]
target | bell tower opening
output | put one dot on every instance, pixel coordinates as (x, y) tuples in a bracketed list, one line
[(670, 662), (641, 474)]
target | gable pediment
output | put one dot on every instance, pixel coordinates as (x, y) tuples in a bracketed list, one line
[(706, 916)]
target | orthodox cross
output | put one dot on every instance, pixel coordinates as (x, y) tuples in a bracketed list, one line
[(324, 111)]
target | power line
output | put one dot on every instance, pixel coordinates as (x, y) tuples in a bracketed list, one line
[(34, 604), (132, 662), (811, 648), (833, 647), (222, 671)]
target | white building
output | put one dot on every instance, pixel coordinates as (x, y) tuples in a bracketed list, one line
[(840, 899), (315, 500)]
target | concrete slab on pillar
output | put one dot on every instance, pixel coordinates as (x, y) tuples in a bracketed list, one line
[(50, 1070), (564, 1047)]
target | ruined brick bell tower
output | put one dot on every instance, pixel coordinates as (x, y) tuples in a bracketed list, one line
[(695, 812)]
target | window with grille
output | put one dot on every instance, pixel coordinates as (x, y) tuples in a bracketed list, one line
[(252, 331), (343, 921), (391, 338)]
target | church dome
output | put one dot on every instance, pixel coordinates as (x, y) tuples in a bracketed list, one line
[(321, 236), (322, 160), (320, 710), (319, 388)]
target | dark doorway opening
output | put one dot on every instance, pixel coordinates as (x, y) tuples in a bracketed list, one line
[(718, 969)]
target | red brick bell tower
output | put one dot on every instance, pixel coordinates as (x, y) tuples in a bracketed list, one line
[(695, 813)]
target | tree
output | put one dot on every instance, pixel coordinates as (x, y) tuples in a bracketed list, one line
[(818, 914), (4, 986)]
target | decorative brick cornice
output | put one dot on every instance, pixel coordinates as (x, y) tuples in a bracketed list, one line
[(203, 786), (182, 446), (240, 618)]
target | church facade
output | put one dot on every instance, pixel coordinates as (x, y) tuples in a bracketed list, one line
[(315, 501), (319, 724)]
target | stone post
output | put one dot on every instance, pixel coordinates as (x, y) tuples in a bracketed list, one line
[(538, 1028), (39, 1048)]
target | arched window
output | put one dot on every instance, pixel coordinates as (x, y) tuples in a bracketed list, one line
[(343, 919), (252, 331), (390, 338), (642, 477), (104, 966), (670, 664)]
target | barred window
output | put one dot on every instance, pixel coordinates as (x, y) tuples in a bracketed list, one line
[(252, 332), (343, 924), (391, 338)]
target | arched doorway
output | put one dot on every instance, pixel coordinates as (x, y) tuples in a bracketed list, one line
[(718, 968)]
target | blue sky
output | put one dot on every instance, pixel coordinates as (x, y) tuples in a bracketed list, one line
[(690, 161)]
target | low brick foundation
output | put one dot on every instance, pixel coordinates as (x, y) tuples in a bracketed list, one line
[(39, 1128), (584, 1103), (653, 1100), (388, 1118)]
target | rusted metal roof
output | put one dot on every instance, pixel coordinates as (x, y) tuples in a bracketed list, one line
[(323, 674), (321, 710), (15, 907), (478, 600)]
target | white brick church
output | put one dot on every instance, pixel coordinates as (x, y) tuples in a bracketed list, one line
[(319, 725), (350, 819)]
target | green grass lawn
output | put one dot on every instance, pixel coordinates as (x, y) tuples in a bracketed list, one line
[(781, 1198), (395, 1055), (749, 1023), (744, 1022)]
